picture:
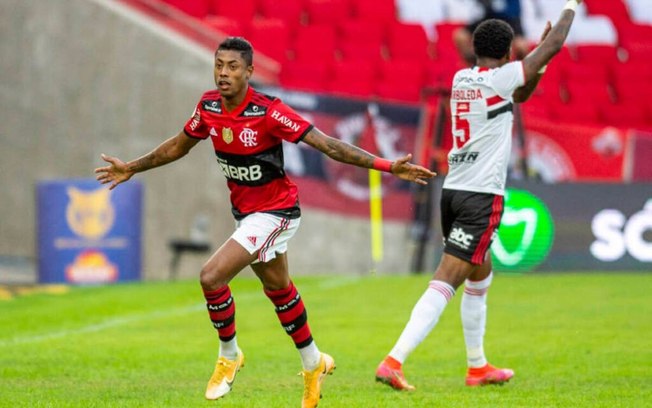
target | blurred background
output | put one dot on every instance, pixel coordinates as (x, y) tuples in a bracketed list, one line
[(84, 77)]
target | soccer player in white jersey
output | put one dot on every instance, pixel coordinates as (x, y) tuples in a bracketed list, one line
[(482, 99)]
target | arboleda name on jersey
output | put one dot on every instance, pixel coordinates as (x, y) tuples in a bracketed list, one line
[(252, 170)]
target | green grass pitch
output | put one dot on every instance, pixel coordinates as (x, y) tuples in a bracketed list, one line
[(574, 340)]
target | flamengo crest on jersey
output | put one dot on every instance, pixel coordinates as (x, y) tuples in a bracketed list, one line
[(481, 109), (248, 146)]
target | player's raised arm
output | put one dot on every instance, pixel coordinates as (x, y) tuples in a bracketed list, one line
[(347, 153), (118, 171), (552, 43)]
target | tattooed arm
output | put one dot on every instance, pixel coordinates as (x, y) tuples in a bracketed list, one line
[(346, 153), (552, 43), (118, 171)]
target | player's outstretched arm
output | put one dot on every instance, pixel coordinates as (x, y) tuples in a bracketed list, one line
[(523, 93), (552, 43), (346, 153), (118, 171)]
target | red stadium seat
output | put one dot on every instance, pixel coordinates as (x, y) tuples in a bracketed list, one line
[(444, 46), (440, 73), (576, 72), (226, 25), (600, 54), (241, 10), (410, 93), (194, 8), (305, 75), (327, 11), (409, 41), (401, 80), (591, 92), (586, 113), (270, 37), (361, 31), (535, 107), (291, 11), (616, 10), (401, 71), (631, 72), (355, 50), (625, 115), (306, 48), (381, 11), (357, 78)]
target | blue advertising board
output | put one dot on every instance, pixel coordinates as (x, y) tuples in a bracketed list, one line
[(88, 234)]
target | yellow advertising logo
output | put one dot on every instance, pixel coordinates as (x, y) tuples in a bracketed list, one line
[(91, 267), (89, 213)]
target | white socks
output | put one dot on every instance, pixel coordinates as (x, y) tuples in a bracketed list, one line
[(474, 319), (229, 349), (310, 356), (423, 319)]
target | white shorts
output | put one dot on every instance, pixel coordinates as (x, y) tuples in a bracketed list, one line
[(266, 233)]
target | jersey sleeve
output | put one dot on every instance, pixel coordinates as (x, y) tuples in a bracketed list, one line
[(283, 122), (507, 78), (195, 126)]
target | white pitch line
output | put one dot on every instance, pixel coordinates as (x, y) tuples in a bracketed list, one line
[(123, 320)]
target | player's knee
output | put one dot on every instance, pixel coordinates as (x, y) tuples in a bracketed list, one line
[(210, 278)]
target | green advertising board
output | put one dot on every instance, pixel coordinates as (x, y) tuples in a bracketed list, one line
[(525, 235)]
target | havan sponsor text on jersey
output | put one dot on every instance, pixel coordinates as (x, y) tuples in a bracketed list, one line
[(252, 161), (481, 109)]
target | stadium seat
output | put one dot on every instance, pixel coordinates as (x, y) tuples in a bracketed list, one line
[(194, 8), (305, 48), (638, 72), (625, 115), (591, 92), (577, 72), (585, 113), (359, 50), (226, 25), (271, 37), (380, 11), (327, 11), (444, 46), (305, 75), (598, 54), (410, 93), (616, 10), (241, 10), (355, 78), (440, 73), (361, 31), (400, 80), (409, 42), (291, 11)]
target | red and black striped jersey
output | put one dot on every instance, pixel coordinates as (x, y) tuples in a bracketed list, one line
[(248, 145)]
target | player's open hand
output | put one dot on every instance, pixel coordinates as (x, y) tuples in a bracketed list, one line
[(403, 169), (115, 173)]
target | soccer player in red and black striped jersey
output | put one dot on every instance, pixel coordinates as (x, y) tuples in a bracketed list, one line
[(482, 98), (246, 129)]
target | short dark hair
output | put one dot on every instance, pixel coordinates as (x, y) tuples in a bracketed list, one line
[(493, 39), (238, 44)]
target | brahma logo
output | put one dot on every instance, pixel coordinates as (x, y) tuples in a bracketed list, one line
[(460, 238), (90, 213), (284, 120), (91, 267), (248, 137)]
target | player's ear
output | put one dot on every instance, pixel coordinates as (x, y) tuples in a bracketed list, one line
[(250, 71)]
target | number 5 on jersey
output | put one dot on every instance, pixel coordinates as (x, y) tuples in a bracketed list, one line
[(461, 127)]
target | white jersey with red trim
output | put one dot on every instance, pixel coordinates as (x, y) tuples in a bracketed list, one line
[(481, 109)]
